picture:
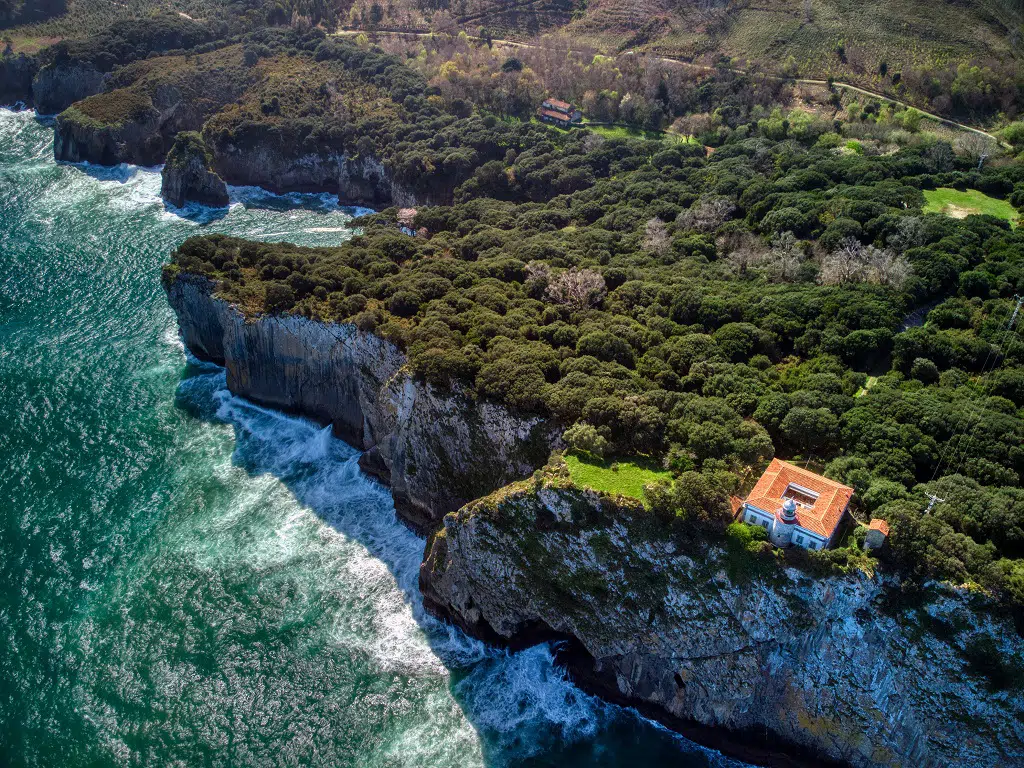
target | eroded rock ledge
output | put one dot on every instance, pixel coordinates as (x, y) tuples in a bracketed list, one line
[(831, 668), (437, 450)]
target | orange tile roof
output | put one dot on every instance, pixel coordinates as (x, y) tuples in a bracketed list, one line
[(562, 106), (878, 524), (828, 509), (554, 115), (736, 503)]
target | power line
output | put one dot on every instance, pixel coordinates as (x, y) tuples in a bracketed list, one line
[(965, 444), (967, 416)]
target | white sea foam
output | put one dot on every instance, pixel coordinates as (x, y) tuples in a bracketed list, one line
[(376, 562)]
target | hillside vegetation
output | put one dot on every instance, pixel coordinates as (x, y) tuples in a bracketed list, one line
[(955, 58), (710, 311)]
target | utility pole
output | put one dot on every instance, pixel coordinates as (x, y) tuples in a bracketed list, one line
[(934, 500), (1016, 310)]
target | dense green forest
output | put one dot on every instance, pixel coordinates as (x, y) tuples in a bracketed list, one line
[(710, 310), (771, 286)]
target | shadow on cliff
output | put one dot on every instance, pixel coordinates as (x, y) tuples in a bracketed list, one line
[(521, 705)]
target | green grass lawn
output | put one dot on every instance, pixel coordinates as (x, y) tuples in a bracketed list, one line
[(622, 132), (629, 479), (959, 205)]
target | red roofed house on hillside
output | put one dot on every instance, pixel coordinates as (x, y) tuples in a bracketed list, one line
[(561, 113), (796, 506)]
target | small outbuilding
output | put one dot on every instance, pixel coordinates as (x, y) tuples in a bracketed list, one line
[(878, 533)]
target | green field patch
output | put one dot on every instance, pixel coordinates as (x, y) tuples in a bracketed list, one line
[(961, 204), (624, 132), (624, 477)]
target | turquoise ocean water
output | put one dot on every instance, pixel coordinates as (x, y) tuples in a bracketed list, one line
[(189, 580)]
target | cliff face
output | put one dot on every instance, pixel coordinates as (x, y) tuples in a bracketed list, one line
[(187, 174), (437, 450), (16, 73), (820, 664), (363, 180), (57, 86), (137, 141)]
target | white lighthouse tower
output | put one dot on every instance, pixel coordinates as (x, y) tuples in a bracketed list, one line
[(784, 524)]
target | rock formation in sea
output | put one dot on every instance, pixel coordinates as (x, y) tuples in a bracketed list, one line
[(187, 175), (844, 668), (436, 449)]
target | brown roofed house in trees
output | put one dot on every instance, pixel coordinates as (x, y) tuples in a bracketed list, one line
[(560, 113)]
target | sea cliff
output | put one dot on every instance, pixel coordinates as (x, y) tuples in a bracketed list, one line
[(841, 668), (437, 450), (48, 88), (362, 180), (772, 664)]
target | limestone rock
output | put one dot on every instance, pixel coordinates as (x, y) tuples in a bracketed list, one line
[(436, 449), (834, 668), (16, 73), (187, 174), (57, 86)]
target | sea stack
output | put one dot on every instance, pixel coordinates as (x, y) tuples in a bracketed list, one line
[(188, 176)]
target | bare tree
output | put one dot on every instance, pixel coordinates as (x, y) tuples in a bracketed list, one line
[(656, 237), (577, 289), (886, 267), (742, 250), (784, 260), (844, 265), (854, 262), (975, 146), (593, 142), (707, 214), (909, 233)]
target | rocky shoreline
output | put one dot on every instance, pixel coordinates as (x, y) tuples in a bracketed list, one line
[(781, 670), (436, 450), (147, 131)]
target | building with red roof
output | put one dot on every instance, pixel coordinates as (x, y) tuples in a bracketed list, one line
[(878, 532), (796, 506), (561, 113)]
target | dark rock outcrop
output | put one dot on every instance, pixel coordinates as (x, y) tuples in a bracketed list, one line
[(57, 86), (362, 180), (436, 449), (829, 667), (16, 73), (187, 174)]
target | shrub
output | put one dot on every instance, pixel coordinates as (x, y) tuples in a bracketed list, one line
[(584, 438)]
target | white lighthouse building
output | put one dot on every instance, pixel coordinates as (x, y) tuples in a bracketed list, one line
[(796, 507)]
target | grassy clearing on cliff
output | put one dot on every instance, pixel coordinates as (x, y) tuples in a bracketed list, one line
[(626, 477), (969, 202)]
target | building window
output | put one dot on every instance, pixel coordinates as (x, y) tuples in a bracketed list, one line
[(750, 518), (799, 539)]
